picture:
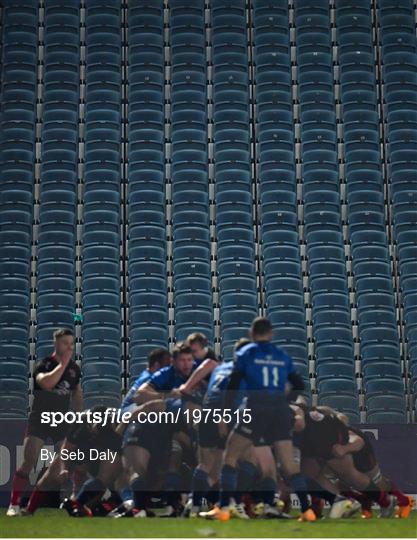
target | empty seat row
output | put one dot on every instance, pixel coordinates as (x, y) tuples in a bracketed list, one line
[(17, 152)]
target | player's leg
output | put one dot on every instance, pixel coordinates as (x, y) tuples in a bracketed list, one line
[(136, 461), (324, 486), (206, 473), (51, 479), (172, 482), (236, 446), (266, 470), (344, 467), (250, 468), (405, 503), (32, 446), (284, 453), (94, 488)]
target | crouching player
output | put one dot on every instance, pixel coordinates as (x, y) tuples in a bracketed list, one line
[(365, 461)]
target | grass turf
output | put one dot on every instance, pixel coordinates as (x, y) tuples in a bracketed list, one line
[(55, 523)]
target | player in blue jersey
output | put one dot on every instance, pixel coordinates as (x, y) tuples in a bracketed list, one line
[(157, 359), (267, 371), (149, 444)]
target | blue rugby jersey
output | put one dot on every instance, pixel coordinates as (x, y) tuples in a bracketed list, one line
[(264, 368)]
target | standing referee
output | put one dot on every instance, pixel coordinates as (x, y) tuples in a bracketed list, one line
[(56, 383)]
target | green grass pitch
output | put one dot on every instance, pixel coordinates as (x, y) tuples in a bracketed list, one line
[(55, 523)]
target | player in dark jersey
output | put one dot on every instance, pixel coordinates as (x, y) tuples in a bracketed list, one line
[(157, 359), (145, 441), (266, 370), (365, 461), (56, 385), (321, 430), (326, 445)]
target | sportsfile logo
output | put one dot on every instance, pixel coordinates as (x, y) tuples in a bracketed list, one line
[(116, 416)]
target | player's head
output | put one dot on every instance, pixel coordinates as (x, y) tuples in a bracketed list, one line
[(182, 359), (198, 345), (158, 358), (63, 341), (241, 343), (261, 329)]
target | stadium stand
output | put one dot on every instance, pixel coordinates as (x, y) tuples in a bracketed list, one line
[(169, 167)]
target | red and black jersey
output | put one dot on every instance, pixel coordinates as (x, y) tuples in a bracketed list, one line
[(58, 398), (322, 431)]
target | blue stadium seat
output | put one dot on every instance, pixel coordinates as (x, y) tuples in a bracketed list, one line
[(346, 404), (386, 417)]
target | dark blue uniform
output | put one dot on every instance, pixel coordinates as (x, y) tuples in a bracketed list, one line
[(208, 432), (265, 369)]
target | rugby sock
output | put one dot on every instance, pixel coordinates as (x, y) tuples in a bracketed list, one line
[(138, 487), (316, 489), (126, 494), (20, 483), (199, 486), (377, 495), (91, 489), (36, 499), (228, 484), (401, 498), (212, 495), (358, 496), (172, 486), (246, 478), (298, 484), (268, 489)]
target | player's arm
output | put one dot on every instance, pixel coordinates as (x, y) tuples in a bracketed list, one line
[(204, 369), (299, 418), (296, 384), (147, 392), (77, 398), (355, 444), (48, 381)]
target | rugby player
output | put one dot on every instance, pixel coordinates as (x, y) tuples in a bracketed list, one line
[(365, 461), (266, 370), (326, 446), (145, 441), (211, 435), (56, 387)]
